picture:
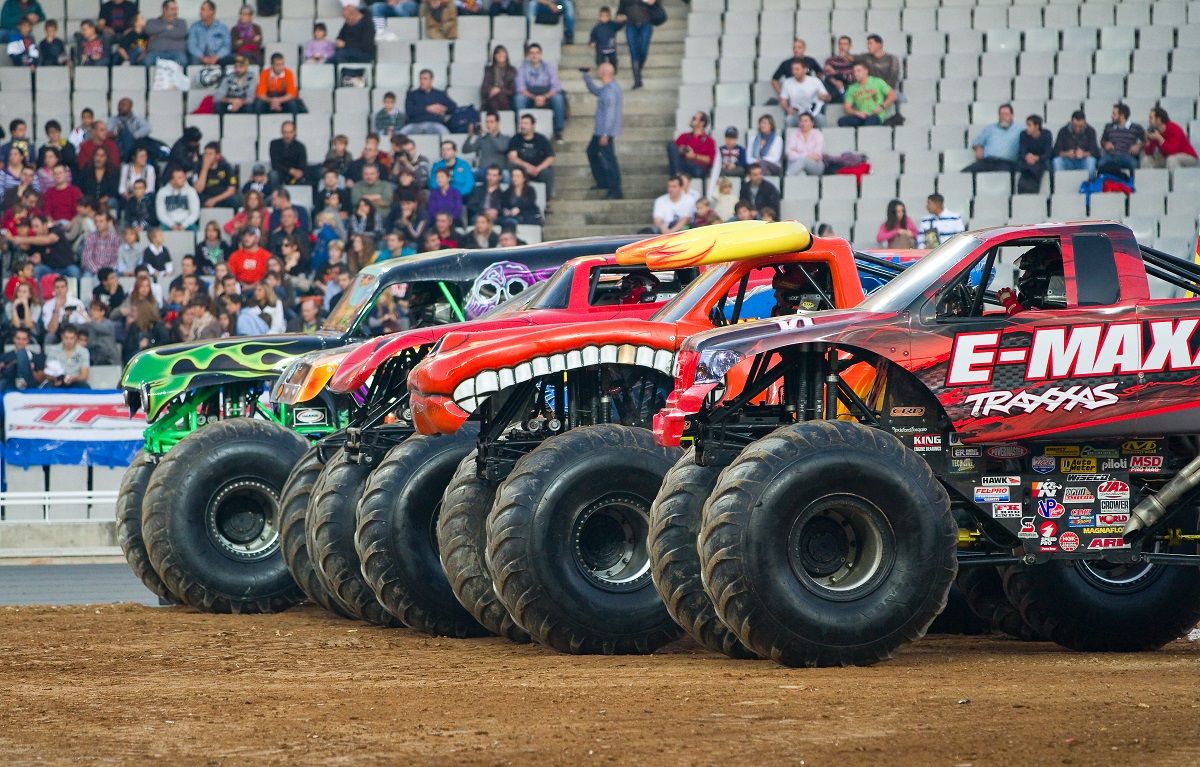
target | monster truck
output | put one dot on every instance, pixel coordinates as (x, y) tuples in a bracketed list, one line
[(565, 468), (1047, 428), (377, 450), (196, 511)]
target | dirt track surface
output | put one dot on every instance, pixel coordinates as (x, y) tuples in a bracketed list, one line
[(128, 684)]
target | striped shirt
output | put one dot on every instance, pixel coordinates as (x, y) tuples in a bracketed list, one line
[(1123, 136), (944, 225)]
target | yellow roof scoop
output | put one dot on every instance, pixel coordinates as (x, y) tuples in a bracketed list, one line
[(717, 244)]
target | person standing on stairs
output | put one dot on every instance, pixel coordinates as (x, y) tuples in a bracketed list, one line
[(602, 149), (635, 15)]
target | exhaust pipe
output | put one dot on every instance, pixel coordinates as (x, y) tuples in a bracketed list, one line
[(1154, 508)]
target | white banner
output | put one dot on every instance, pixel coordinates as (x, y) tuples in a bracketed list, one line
[(70, 416)]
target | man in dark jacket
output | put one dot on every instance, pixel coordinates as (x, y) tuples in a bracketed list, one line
[(1033, 155), (1075, 148), (427, 108), (289, 157), (356, 41), (759, 192)]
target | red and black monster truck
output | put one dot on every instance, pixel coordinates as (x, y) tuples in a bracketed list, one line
[(1049, 428), (375, 466), (558, 492)]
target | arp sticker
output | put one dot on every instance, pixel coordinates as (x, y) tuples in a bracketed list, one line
[(1108, 542), (1049, 508), (1044, 464), (991, 494), (1145, 464), (1005, 480), (1068, 541), (1074, 465), (1006, 511)]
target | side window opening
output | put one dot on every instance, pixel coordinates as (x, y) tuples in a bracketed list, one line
[(1096, 279)]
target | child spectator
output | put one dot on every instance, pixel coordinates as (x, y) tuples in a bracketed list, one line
[(52, 51), (319, 49), (156, 258), (129, 255), (724, 200), (445, 198), (389, 119), (90, 50), (705, 215), (138, 209), (732, 157), (603, 38), (132, 47), (22, 50), (101, 336)]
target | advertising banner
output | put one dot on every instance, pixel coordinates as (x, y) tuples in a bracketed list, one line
[(72, 427)]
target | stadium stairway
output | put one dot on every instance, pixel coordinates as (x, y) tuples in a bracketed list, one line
[(649, 123)]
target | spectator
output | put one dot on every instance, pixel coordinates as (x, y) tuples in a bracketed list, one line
[(441, 19), (373, 189), (210, 250), (803, 94), (490, 147), (22, 273), (839, 70), (382, 10), (732, 156), (238, 89), (208, 40), (724, 201), (145, 330), (217, 183), (758, 191), (177, 204), (139, 210), (22, 48), (356, 41), (83, 129), (90, 49), (99, 139), (939, 225), (15, 10), (1035, 152), (116, 17), (636, 16), (550, 11), (246, 37), (129, 255), (602, 149), (488, 198), (47, 245), (249, 262), (881, 64), (705, 215), (71, 358), (481, 236), (784, 70), (389, 119), (127, 128), (868, 100), (277, 91), (766, 148), (308, 317), (23, 307), (898, 229), (1166, 144), (60, 200), (139, 168), (281, 201), (407, 158), (252, 201), (538, 86), (997, 145), (520, 202), (100, 247), (108, 291), (100, 180), (505, 7), (1075, 148), (134, 45), (462, 178), (806, 149), (443, 229), (156, 258), (19, 140), (532, 153), (427, 107), (55, 141), (61, 309), (603, 37), (393, 247), (444, 198), (204, 325), (499, 82), (168, 36), (320, 48), (361, 252), (83, 222), (693, 151), (269, 309), (52, 51), (289, 158), (260, 181), (1122, 141), (674, 210), (21, 367), (186, 152)]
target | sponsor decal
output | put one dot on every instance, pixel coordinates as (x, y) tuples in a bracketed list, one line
[(1027, 529), (901, 411), (1145, 464), (1078, 495), (1061, 451), (1103, 530), (1115, 464), (1044, 464), (1045, 489), (1112, 519), (310, 416), (1081, 518), (1077, 351), (1107, 543), (909, 429), (1009, 479), (927, 443), (1088, 477), (962, 465), (1047, 536), (1120, 507), (1139, 447), (1073, 465), (991, 494), (966, 452), (1113, 490), (1050, 508), (1100, 452), (1050, 400), (1068, 541), (1006, 510), (1003, 452)]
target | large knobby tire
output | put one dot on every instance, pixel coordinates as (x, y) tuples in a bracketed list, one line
[(329, 534), (983, 588), (1092, 607), (129, 526), (675, 561), (566, 542), (396, 538), (292, 509), (462, 548), (957, 617), (211, 517), (828, 543)]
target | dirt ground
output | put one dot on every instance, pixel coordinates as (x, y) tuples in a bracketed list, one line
[(128, 684)]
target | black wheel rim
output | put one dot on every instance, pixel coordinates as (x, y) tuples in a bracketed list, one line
[(609, 542), (1118, 578), (841, 547), (242, 520)]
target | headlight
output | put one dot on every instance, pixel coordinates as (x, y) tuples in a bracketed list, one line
[(288, 385), (714, 364)]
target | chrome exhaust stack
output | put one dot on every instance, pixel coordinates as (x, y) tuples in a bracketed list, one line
[(1154, 508)]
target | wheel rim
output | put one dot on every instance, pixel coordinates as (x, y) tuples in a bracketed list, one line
[(1118, 578), (609, 540), (242, 520), (841, 547)]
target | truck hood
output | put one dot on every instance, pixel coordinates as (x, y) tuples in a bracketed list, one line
[(764, 335), (165, 372)]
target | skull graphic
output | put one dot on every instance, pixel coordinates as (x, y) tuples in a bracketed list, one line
[(499, 282)]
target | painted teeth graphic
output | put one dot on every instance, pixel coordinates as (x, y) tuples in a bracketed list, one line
[(473, 391)]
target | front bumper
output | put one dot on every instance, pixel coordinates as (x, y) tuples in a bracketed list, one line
[(672, 420), (436, 413)]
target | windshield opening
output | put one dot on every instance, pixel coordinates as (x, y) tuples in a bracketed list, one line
[(911, 284), (697, 291), (341, 318), (557, 291)]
